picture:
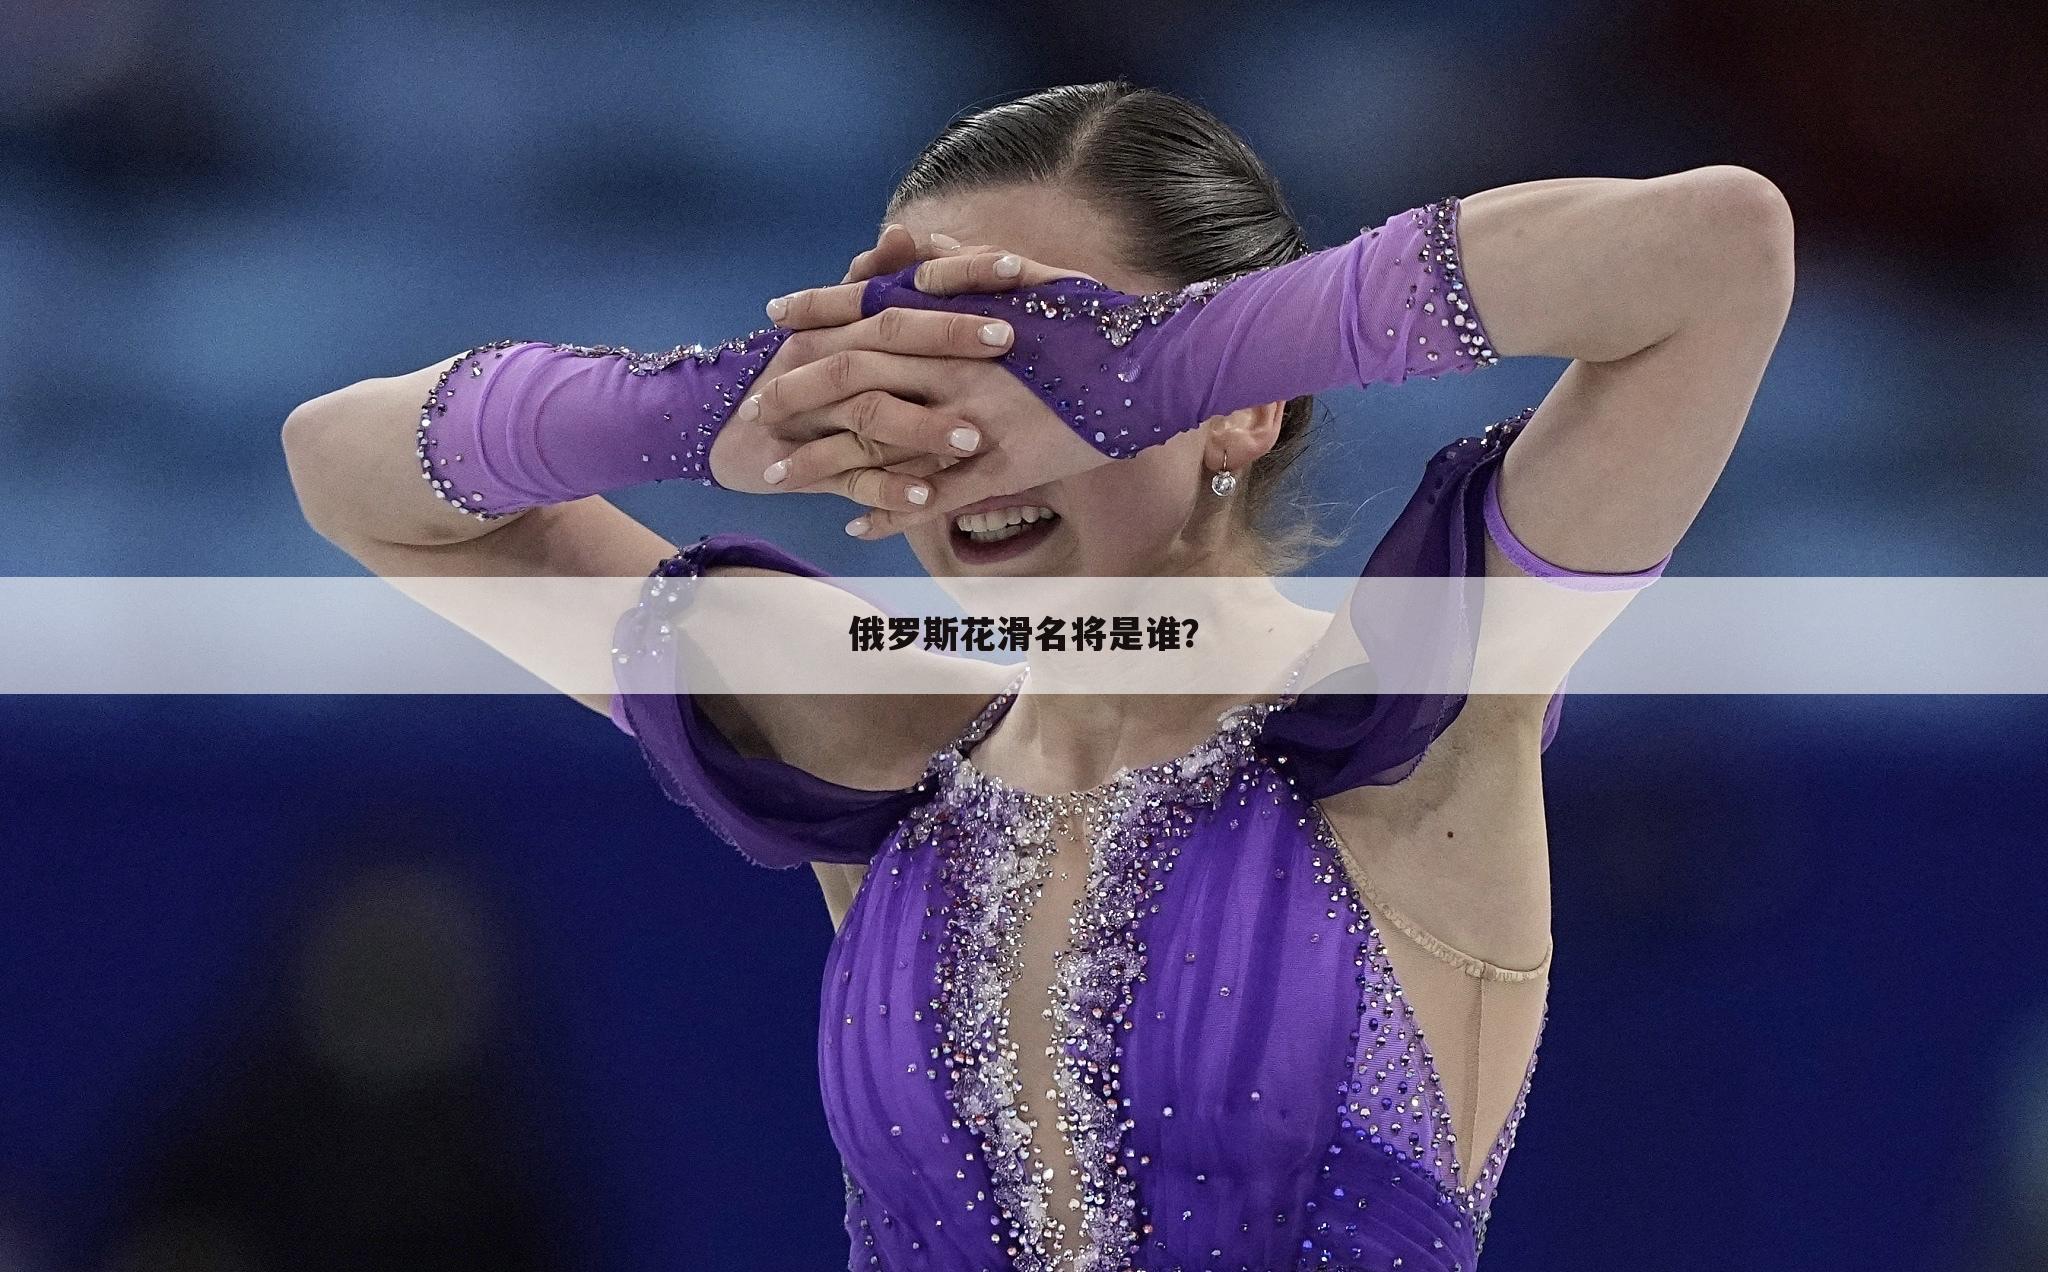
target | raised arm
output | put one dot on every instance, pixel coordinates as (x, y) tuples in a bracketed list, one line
[(351, 454), (525, 465), (518, 451), (490, 463), (1668, 295), (1668, 292)]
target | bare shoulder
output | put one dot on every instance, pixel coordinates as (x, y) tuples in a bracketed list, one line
[(1460, 845), (872, 742), (864, 740), (877, 744), (884, 742)]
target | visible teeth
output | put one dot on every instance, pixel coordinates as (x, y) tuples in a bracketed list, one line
[(1003, 523)]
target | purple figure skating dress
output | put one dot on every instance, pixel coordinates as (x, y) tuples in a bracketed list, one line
[(1155, 1025)]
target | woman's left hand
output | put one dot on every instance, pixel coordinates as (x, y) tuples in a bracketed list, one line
[(1124, 371)]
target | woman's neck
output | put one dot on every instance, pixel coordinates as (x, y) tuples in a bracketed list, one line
[(1068, 731)]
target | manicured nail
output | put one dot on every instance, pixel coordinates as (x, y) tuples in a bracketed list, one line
[(917, 278), (918, 494), (963, 439), (778, 307), (776, 472), (946, 241), (858, 526), (751, 408), (995, 333), (1008, 266)]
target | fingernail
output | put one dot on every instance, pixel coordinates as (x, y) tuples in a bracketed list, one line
[(1008, 266), (917, 278), (778, 307), (857, 526), (751, 408), (776, 472), (918, 494), (965, 439), (946, 241), (995, 333)]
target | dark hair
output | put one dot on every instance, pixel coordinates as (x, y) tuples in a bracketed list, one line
[(1190, 202)]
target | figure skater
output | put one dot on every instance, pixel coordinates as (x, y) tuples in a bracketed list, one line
[(1129, 981)]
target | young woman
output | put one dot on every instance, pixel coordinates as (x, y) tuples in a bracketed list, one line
[(1124, 981)]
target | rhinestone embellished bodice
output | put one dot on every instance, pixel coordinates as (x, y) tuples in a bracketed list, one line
[(1149, 1026)]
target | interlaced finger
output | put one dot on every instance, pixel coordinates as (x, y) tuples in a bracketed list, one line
[(958, 486), (923, 332), (883, 489), (839, 376), (836, 453), (818, 306)]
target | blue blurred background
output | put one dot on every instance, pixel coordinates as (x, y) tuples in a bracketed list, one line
[(444, 983)]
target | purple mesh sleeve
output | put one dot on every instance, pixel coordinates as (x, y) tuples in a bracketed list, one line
[(520, 424), (1127, 372)]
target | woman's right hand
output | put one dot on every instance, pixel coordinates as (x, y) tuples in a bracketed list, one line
[(882, 442), (1032, 446)]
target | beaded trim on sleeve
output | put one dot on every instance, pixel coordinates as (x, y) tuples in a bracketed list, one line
[(424, 444), (661, 360), (1117, 316), (1121, 323), (1439, 221)]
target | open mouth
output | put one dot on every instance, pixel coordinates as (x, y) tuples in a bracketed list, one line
[(980, 538)]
